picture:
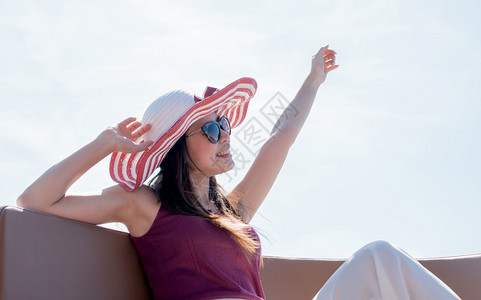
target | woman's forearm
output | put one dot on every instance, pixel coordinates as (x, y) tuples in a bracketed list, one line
[(291, 121), (294, 116), (52, 185)]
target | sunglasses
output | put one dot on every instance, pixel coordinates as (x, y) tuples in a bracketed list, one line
[(212, 129)]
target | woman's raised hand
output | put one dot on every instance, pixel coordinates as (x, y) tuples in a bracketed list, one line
[(323, 62), (125, 134)]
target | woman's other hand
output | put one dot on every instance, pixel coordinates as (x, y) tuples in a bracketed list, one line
[(123, 136), (323, 62)]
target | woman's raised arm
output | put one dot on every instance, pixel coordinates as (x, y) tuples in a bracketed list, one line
[(253, 189), (47, 193)]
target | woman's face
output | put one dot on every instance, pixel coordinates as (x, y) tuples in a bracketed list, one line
[(211, 159)]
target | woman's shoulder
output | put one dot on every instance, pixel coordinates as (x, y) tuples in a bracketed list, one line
[(144, 191), (145, 199), (145, 205)]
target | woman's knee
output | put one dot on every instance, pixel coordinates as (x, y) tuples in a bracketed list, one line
[(380, 246), (381, 250)]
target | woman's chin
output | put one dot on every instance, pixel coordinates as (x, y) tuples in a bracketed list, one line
[(226, 165)]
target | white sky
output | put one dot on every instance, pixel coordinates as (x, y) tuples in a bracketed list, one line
[(390, 150)]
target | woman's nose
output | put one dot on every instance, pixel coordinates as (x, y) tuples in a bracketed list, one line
[(224, 136)]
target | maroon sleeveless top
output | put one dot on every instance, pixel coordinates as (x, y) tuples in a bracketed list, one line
[(188, 257)]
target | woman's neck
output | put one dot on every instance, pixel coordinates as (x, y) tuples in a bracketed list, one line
[(200, 185)]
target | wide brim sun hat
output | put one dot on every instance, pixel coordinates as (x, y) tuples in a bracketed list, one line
[(170, 116)]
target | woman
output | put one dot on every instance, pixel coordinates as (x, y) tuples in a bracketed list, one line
[(194, 242)]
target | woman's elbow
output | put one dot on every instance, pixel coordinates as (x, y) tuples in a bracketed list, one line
[(27, 201), (23, 201)]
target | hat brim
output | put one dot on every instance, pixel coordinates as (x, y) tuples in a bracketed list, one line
[(130, 170)]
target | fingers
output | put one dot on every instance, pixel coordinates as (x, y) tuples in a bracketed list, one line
[(132, 147), (128, 133), (329, 56), (323, 62), (329, 62), (322, 50), (142, 146), (329, 52), (140, 131), (133, 125), (143, 129), (326, 53), (127, 121), (330, 68)]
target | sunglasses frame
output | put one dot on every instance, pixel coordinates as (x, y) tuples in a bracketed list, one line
[(216, 123)]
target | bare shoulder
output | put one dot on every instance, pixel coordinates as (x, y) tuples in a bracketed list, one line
[(143, 210)]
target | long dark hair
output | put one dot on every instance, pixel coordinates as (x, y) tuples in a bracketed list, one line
[(175, 192)]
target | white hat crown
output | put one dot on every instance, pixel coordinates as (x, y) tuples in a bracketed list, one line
[(164, 112)]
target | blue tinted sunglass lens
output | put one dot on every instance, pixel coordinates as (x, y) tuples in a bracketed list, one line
[(212, 131), (224, 123)]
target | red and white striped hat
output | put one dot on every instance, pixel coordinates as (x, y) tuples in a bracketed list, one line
[(170, 116)]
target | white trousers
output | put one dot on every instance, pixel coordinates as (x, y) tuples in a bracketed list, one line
[(380, 270)]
